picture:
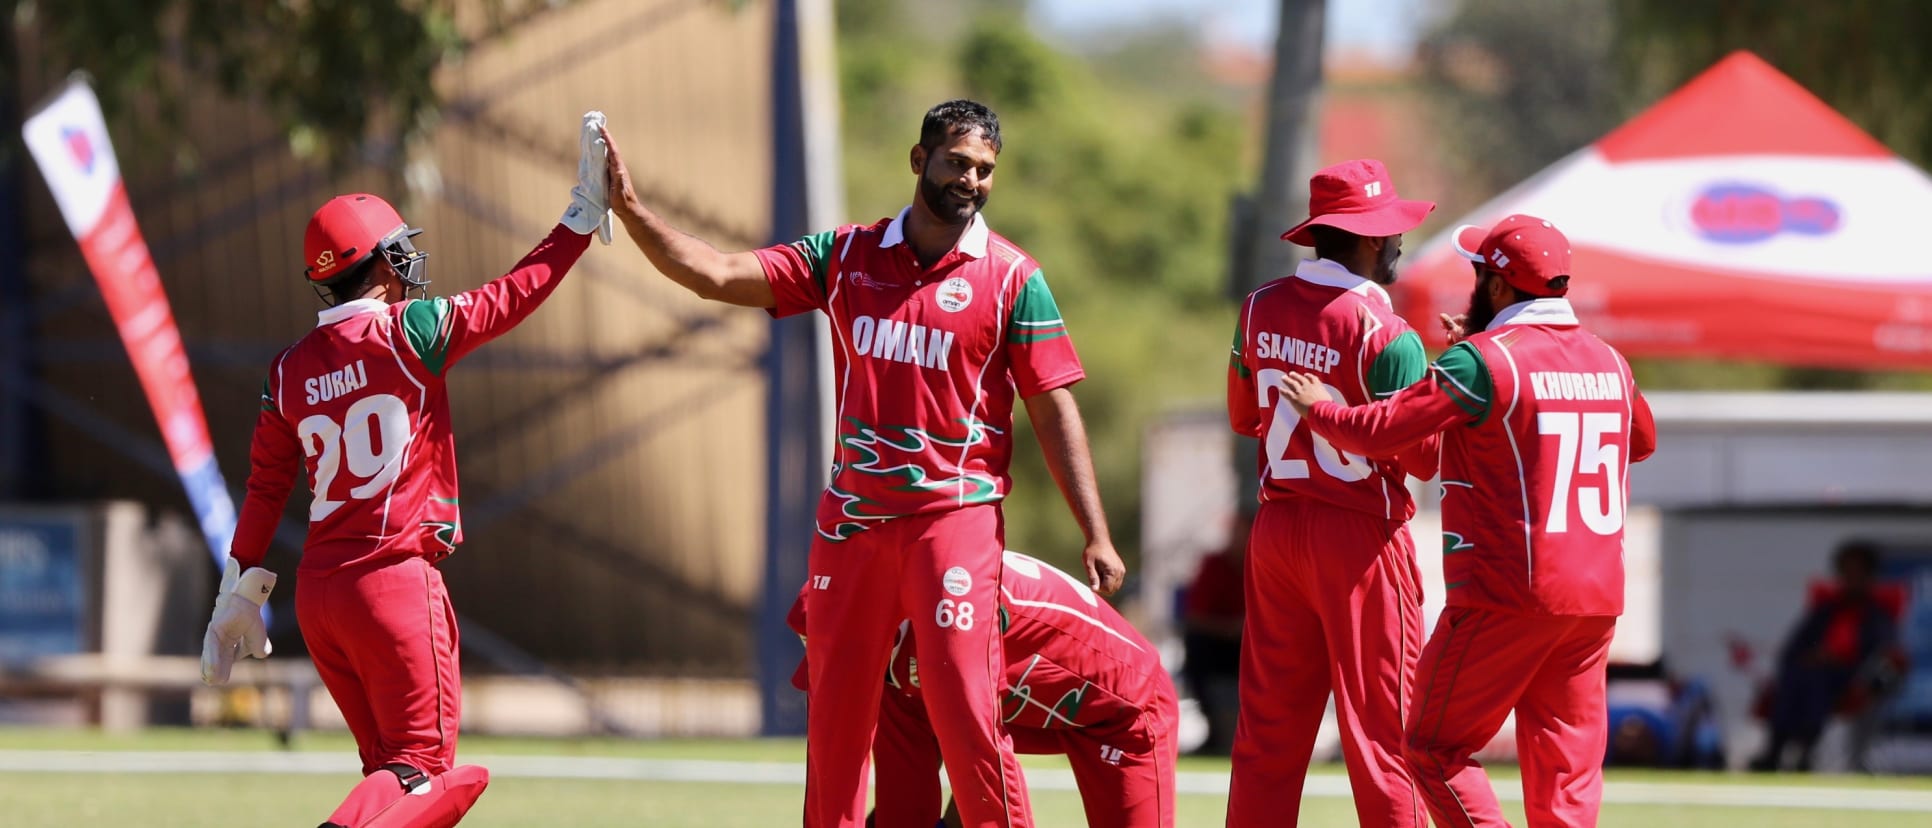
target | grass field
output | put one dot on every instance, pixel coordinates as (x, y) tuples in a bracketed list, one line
[(176, 779)]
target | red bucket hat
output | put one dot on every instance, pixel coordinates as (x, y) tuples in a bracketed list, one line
[(1358, 196), (1527, 250)]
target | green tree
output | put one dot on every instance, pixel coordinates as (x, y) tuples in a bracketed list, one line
[(1866, 58), (1521, 83), (336, 72)]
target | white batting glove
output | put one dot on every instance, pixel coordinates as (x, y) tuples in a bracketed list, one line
[(589, 209), (236, 629)]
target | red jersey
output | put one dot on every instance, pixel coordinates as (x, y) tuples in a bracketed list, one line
[(1340, 327), (1543, 421), (359, 403), (1071, 660), (928, 362)]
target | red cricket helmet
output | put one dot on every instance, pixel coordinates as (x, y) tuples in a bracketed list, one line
[(349, 230)]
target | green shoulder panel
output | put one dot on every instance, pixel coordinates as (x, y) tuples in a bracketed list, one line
[(1402, 364), (1036, 317), (817, 250), (1234, 353), (426, 322), (1463, 375)]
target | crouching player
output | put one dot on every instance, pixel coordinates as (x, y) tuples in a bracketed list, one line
[(359, 404), (1079, 681)]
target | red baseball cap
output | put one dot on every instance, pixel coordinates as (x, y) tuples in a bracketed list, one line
[(346, 231), (1358, 196), (1527, 250)]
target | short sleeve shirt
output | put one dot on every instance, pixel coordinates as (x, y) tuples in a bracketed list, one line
[(928, 362)]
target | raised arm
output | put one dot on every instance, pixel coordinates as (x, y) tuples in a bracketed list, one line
[(1401, 364), (733, 278), (1389, 428)]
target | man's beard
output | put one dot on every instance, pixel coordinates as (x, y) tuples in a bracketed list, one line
[(1385, 264), (1481, 312), (943, 206)]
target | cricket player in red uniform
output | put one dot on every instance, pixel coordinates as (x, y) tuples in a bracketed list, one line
[(1540, 421), (1334, 601), (1079, 681), (938, 323), (359, 405)]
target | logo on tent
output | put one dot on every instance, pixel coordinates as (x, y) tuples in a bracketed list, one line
[(1737, 213), (79, 145)]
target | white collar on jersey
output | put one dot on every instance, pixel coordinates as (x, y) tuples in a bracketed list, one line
[(1549, 310), (1332, 274), (973, 243), (353, 307)]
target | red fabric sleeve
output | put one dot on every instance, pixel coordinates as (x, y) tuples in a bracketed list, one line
[(1422, 460), (1042, 355), (1040, 367), (1643, 428), (1391, 427), (275, 458), (1244, 415), (796, 285), (490, 311)]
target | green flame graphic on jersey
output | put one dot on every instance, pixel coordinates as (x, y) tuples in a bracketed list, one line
[(896, 451), (1063, 713)]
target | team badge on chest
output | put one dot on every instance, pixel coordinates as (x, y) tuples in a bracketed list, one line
[(955, 294)]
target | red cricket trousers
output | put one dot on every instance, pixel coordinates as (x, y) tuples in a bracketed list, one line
[(1334, 604), (1481, 664), (942, 572), (1125, 771), (383, 638)]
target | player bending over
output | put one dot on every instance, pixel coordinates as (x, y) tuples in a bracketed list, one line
[(1079, 681), (359, 405)]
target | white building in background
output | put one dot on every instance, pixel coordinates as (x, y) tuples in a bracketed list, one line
[(1738, 511)]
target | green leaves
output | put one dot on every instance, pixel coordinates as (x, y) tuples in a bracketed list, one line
[(339, 74)]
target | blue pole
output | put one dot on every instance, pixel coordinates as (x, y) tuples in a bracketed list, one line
[(17, 446), (795, 460)]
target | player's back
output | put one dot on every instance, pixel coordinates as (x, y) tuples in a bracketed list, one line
[(1535, 491), (1072, 660), (373, 424), (1337, 326)]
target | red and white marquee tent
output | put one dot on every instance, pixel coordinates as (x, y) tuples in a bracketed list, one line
[(1740, 217)]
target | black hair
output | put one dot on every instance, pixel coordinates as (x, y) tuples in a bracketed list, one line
[(1334, 243), (353, 282), (1556, 284), (959, 117), (1858, 549)]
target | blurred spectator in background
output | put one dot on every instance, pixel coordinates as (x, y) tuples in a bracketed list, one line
[(1847, 630), (1661, 720), (1211, 620)]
